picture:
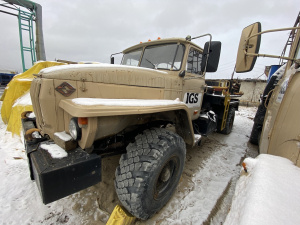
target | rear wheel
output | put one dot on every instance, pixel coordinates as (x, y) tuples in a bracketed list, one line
[(150, 171), (229, 122)]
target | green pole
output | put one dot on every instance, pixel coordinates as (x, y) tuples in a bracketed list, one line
[(21, 40)]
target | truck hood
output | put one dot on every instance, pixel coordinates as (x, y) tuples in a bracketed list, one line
[(107, 73)]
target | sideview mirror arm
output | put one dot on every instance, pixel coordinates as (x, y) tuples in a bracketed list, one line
[(266, 55), (112, 59), (210, 37)]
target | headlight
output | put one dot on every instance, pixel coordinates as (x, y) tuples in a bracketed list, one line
[(74, 129)]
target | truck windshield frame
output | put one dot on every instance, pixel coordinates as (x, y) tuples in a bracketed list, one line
[(162, 56)]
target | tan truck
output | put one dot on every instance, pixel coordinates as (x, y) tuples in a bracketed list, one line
[(277, 123), (147, 109)]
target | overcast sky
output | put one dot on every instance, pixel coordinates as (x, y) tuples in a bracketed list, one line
[(79, 30)]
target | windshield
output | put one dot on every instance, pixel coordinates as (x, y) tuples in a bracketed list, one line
[(163, 56), (132, 58)]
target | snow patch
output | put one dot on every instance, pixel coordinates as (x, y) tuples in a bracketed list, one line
[(30, 115), (36, 134), (250, 164), (247, 112), (279, 73), (63, 136), (125, 102), (54, 150), (89, 66), (25, 79), (23, 100), (197, 138), (212, 116)]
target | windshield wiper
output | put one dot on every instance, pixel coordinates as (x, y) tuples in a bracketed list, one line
[(154, 67)]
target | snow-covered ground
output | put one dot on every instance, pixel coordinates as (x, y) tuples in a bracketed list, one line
[(208, 179)]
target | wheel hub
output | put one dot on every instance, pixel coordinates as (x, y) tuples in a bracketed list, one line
[(165, 174), (164, 180)]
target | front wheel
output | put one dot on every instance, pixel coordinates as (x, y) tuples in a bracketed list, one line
[(150, 171)]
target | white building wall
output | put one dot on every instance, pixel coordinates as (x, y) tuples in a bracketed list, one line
[(252, 90)]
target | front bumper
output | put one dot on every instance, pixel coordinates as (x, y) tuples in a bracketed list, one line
[(58, 178)]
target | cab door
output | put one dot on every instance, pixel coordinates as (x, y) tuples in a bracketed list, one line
[(193, 83)]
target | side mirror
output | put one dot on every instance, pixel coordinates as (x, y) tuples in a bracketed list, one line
[(244, 62), (212, 50), (112, 60)]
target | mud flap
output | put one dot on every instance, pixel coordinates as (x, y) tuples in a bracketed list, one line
[(58, 178)]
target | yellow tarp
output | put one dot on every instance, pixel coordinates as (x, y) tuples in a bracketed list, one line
[(14, 124), (16, 88)]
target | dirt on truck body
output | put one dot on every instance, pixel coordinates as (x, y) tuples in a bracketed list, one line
[(146, 109)]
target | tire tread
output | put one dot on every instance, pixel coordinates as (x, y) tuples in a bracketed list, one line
[(139, 163)]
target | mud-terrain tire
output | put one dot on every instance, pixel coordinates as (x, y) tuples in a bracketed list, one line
[(255, 134), (260, 114), (270, 85), (257, 126), (229, 121), (150, 171)]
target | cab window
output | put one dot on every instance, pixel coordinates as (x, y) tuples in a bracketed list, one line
[(132, 58), (194, 61)]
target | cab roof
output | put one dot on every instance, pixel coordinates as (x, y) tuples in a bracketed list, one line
[(160, 41)]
